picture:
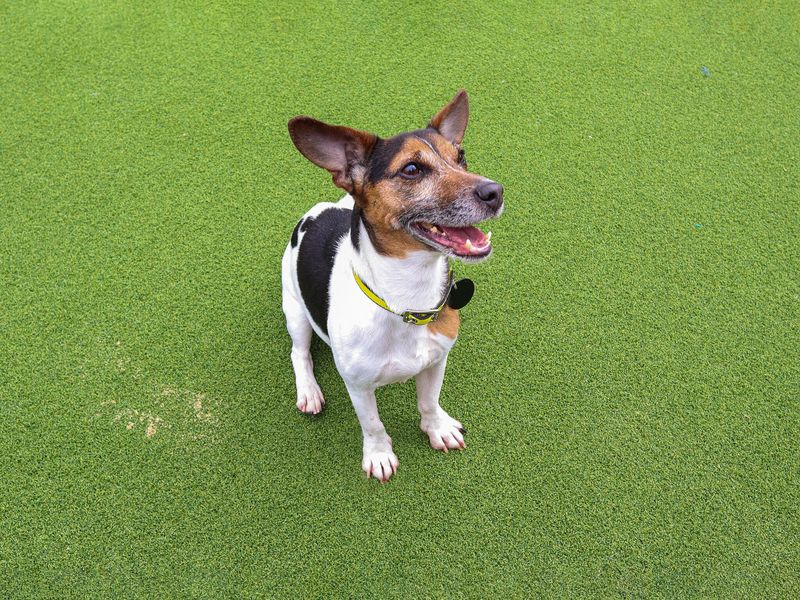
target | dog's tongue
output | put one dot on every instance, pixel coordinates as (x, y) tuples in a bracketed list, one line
[(467, 240)]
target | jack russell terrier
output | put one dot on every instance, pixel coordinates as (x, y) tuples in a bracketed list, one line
[(370, 274)]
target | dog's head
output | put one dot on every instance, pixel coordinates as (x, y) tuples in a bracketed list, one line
[(413, 190)]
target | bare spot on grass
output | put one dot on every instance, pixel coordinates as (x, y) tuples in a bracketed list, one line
[(153, 407), (201, 415), (135, 417)]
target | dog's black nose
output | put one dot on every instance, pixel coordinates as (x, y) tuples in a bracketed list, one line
[(491, 193)]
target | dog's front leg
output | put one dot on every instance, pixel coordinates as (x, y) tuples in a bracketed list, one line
[(379, 460), (443, 430)]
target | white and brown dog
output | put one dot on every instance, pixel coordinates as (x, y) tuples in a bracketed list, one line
[(370, 274)]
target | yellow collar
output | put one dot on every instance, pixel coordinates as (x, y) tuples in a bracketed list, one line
[(415, 317)]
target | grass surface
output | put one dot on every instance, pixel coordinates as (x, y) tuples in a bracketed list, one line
[(628, 369)]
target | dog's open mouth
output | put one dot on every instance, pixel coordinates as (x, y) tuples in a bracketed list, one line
[(467, 242)]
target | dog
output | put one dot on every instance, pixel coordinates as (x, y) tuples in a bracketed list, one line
[(370, 274)]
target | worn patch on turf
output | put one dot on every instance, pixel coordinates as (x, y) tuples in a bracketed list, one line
[(148, 408)]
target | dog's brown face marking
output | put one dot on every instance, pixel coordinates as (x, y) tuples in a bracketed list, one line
[(410, 173)]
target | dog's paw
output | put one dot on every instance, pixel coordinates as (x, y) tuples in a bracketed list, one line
[(310, 399), (444, 432), (380, 464)]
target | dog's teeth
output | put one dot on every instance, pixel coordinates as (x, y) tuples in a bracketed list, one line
[(468, 245), (434, 229), (488, 236)]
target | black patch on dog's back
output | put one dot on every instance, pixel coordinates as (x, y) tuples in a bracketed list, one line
[(295, 232), (315, 259)]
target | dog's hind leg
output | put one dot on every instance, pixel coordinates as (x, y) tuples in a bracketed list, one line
[(309, 396)]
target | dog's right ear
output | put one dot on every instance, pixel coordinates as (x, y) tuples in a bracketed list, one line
[(451, 121), (341, 150)]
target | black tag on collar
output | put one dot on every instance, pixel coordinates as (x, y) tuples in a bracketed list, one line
[(461, 293)]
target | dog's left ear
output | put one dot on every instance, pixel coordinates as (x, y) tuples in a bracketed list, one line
[(451, 121), (340, 150)]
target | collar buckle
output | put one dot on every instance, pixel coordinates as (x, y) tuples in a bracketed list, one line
[(411, 317), (420, 318)]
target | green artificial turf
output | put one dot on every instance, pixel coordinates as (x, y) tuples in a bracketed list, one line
[(628, 369)]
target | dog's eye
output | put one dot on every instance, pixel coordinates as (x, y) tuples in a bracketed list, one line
[(462, 160), (412, 170)]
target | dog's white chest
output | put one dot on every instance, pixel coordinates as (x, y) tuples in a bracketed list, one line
[(406, 357), (390, 353)]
